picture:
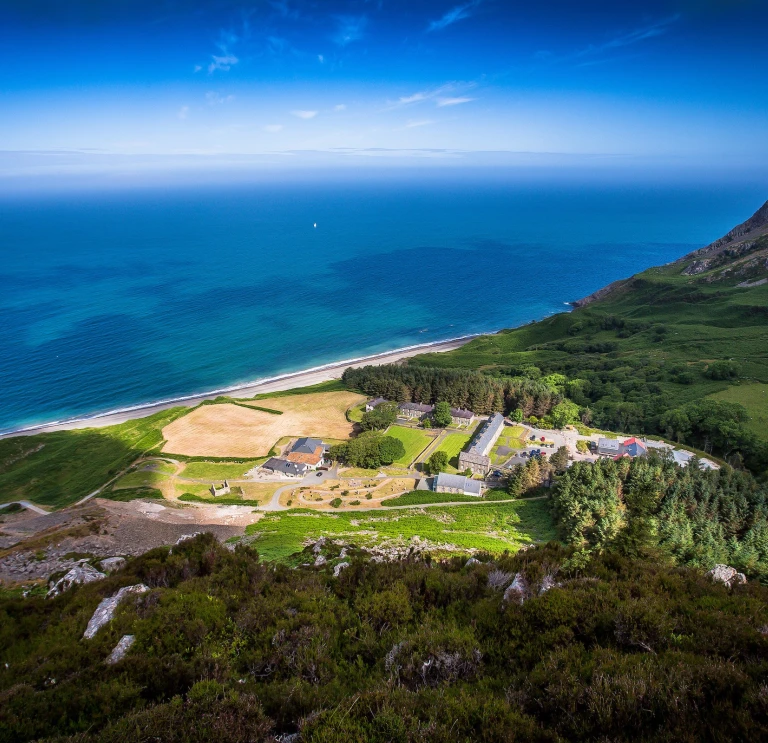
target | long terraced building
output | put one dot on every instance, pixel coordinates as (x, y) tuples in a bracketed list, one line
[(476, 457)]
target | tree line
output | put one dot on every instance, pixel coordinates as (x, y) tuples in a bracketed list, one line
[(651, 506)]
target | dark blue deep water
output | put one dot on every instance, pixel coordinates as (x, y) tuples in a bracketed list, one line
[(117, 298)]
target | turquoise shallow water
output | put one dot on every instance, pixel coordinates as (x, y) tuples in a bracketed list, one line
[(116, 298)]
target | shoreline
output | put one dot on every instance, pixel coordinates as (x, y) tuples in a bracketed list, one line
[(290, 380)]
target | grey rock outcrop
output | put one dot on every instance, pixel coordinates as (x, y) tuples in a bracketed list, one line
[(122, 647), (78, 575), (472, 561), (111, 564), (106, 609), (318, 545), (320, 560), (338, 568), (727, 575), (517, 592)]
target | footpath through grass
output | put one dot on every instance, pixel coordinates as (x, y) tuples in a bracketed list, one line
[(494, 527), (59, 468), (414, 441)]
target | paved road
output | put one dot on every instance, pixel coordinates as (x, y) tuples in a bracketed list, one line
[(26, 504)]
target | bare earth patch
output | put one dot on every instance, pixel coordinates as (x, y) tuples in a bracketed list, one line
[(234, 431)]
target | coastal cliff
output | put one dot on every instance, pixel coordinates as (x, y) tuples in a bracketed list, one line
[(741, 253)]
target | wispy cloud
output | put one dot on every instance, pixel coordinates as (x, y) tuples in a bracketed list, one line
[(320, 58), (441, 96), (632, 37), (349, 28), (304, 114), (418, 122), (214, 98), (340, 107), (223, 63), (183, 112), (284, 10), (454, 15), (453, 101), (273, 128)]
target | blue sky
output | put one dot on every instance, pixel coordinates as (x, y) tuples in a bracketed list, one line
[(677, 81)]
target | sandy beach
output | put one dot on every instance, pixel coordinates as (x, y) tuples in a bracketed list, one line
[(293, 380)]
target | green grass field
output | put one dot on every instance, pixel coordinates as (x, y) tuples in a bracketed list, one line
[(56, 469), (414, 441), (452, 444), (754, 397), (139, 479), (493, 527), (219, 470)]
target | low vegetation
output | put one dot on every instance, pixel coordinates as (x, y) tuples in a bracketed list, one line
[(494, 527), (231, 649)]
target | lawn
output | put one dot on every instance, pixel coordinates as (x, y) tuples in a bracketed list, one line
[(511, 438), (492, 527), (236, 430), (414, 441), (754, 397), (219, 470), (58, 468), (452, 444)]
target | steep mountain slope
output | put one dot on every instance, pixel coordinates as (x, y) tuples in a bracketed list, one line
[(660, 340)]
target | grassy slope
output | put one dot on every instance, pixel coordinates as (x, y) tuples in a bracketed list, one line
[(704, 322), (754, 397), (492, 527), (56, 469)]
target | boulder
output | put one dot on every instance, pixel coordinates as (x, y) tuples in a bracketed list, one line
[(472, 561), (121, 649), (110, 564), (727, 575), (79, 574), (320, 560), (184, 538), (106, 609), (318, 545), (338, 568), (518, 590)]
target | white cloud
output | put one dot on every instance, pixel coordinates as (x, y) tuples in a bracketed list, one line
[(459, 13), (273, 128), (418, 122), (183, 112), (349, 29), (198, 67), (320, 58), (340, 107), (223, 63), (304, 114), (453, 101), (214, 98)]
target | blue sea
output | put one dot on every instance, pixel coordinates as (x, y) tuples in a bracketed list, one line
[(112, 298)]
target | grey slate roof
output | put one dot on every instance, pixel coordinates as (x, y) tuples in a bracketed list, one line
[(306, 446), (488, 434), (609, 446), (417, 406), (375, 402), (462, 413), (285, 467), (458, 482)]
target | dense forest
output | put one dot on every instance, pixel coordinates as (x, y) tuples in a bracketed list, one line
[(460, 388), (528, 647), (651, 506)]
